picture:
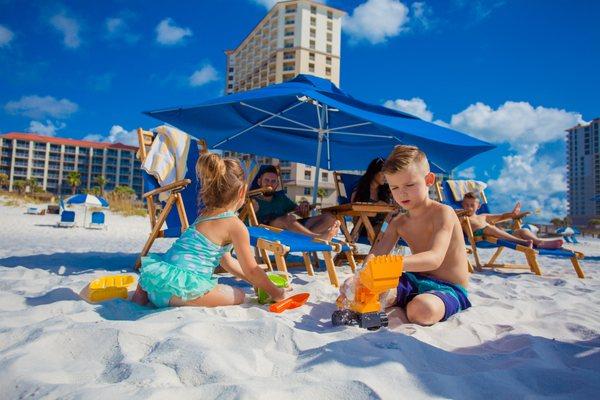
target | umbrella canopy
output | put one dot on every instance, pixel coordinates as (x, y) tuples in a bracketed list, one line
[(87, 200), (311, 121)]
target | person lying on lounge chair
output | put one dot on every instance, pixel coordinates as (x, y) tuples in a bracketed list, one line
[(274, 208), (483, 225)]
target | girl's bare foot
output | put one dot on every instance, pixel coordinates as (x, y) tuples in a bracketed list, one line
[(140, 296), (550, 244), (331, 232)]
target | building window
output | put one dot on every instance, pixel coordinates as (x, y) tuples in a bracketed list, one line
[(311, 56), (313, 32), (285, 176), (328, 60), (289, 20), (329, 25), (307, 175), (289, 32), (324, 176), (230, 69), (288, 55), (313, 9), (313, 21), (312, 44), (329, 48), (307, 191), (288, 43), (327, 71), (311, 67), (329, 14), (329, 37), (290, 9)]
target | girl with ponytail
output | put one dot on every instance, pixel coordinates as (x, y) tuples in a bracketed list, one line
[(184, 275)]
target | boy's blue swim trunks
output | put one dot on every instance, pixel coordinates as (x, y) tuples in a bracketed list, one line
[(412, 284)]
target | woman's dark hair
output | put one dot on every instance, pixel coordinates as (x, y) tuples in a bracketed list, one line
[(363, 188)]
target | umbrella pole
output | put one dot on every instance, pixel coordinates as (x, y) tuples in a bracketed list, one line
[(319, 149)]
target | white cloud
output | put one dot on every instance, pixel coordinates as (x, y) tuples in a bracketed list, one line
[(167, 33), (518, 123), (69, 27), (117, 134), (467, 173), (537, 182), (40, 107), (204, 75), (421, 15), (117, 28), (376, 20), (415, 106), (6, 36), (49, 129)]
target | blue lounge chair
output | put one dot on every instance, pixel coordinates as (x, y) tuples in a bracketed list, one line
[(67, 219), (98, 220), (475, 243), (183, 195)]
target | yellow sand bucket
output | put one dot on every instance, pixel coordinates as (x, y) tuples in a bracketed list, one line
[(107, 288)]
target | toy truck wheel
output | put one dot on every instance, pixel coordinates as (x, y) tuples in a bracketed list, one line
[(344, 317)]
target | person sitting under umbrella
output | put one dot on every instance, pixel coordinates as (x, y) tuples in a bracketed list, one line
[(275, 207), (372, 188)]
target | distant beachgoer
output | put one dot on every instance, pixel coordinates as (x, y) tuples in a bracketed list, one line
[(183, 276), (275, 207), (482, 225)]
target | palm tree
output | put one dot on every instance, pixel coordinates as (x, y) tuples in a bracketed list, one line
[(19, 186), (321, 192), (101, 181), (74, 180), (3, 180), (32, 183)]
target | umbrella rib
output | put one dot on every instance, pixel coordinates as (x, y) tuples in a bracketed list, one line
[(365, 135), (255, 125), (349, 126), (287, 127), (278, 115)]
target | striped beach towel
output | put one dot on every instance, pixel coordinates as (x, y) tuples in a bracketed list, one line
[(461, 187), (166, 159)]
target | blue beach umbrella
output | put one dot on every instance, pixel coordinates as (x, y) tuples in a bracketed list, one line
[(311, 121), (87, 200)]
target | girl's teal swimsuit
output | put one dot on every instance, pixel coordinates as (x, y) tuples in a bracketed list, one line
[(186, 269)]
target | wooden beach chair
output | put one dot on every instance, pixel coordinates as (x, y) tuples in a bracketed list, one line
[(451, 194)]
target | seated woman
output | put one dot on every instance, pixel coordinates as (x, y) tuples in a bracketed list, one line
[(372, 188)]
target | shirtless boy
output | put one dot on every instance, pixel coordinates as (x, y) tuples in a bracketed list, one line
[(483, 225), (433, 285)]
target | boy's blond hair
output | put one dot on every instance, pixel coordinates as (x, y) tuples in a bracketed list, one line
[(404, 156)]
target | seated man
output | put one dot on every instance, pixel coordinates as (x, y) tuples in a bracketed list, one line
[(433, 284), (274, 208), (483, 224)]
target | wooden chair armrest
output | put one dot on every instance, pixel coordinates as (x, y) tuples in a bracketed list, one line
[(177, 186)]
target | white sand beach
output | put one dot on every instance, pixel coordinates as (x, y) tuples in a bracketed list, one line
[(525, 336)]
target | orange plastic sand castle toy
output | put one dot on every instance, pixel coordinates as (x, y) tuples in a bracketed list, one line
[(381, 274)]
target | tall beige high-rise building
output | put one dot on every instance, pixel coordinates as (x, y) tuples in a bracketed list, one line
[(583, 172), (295, 37)]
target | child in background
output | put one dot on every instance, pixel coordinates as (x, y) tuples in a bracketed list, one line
[(183, 276), (483, 224)]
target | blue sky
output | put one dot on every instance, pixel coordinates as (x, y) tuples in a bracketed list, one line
[(516, 73)]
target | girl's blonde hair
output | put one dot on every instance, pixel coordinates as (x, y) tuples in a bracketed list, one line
[(221, 180)]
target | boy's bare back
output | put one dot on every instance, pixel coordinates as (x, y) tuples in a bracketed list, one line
[(421, 231)]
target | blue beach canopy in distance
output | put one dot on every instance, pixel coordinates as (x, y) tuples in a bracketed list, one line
[(286, 121)]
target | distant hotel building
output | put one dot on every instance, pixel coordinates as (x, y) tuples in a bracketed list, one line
[(583, 172), (295, 37), (49, 160)]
